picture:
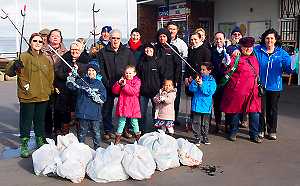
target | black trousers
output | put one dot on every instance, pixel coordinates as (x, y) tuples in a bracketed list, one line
[(217, 98), (269, 111), (177, 100)]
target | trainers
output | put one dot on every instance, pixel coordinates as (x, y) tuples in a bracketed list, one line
[(261, 135), (256, 139), (106, 137), (24, 148), (272, 136), (198, 143), (111, 135), (127, 135), (232, 137)]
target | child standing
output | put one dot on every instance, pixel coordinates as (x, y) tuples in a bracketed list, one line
[(203, 87), (164, 110), (128, 106), (89, 100)]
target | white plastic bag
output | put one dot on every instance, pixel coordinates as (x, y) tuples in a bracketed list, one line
[(163, 149), (189, 154), (138, 161), (106, 166), (74, 161), (46, 158), (64, 141)]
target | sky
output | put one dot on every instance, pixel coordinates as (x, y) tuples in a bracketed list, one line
[(121, 14)]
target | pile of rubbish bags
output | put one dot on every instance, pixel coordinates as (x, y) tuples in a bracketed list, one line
[(73, 160)]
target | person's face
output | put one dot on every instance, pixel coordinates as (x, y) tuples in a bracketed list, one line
[(270, 40), (105, 36), (92, 73), (247, 50), (36, 43), (202, 34), (195, 40), (204, 71), (149, 51), (236, 36), (115, 40), (173, 29), (55, 38), (135, 36), (168, 86), (163, 39), (75, 51), (44, 37), (219, 40), (129, 73)]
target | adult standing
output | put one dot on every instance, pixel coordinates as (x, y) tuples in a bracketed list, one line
[(273, 60), (135, 43), (102, 42), (171, 64), (115, 57), (240, 93), (35, 84), (55, 40), (203, 39), (236, 35)]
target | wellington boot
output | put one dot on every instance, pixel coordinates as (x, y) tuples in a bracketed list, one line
[(40, 141), (24, 148), (118, 139)]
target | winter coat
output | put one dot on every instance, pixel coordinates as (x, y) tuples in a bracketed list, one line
[(149, 70), (86, 108), (202, 99), (241, 91), (65, 100), (171, 63), (231, 48), (181, 46), (38, 74), (196, 57), (114, 64), (137, 53), (128, 103), (164, 105), (272, 66), (216, 59), (52, 56)]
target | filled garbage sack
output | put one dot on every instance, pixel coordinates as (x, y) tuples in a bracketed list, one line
[(189, 154), (66, 140), (74, 161), (138, 162), (163, 149), (107, 165), (46, 158)]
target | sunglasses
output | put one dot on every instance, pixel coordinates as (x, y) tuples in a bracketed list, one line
[(40, 41), (117, 38)]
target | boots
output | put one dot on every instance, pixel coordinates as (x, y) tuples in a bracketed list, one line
[(137, 136), (24, 148), (39, 141), (118, 139)]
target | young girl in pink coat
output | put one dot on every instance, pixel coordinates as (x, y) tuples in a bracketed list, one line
[(128, 106)]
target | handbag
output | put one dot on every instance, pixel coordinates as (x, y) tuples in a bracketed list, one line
[(261, 89)]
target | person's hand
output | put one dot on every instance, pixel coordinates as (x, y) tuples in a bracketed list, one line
[(198, 80), (18, 65), (122, 82), (236, 53), (186, 81), (94, 50), (74, 72)]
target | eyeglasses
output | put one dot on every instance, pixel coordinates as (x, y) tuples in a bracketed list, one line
[(40, 41), (116, 38), (237, 34)]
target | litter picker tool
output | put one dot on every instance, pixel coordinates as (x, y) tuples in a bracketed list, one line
[(94, 23)]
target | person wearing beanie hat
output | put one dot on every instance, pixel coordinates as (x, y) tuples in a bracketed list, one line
[(236, 35), (89, 100), (171, 63), (102, 42), (150, 72), (239, 98), (44, 33)]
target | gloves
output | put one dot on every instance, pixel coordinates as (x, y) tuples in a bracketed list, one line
[(18, 65), (226, 60), (74, 72), (71, 82)]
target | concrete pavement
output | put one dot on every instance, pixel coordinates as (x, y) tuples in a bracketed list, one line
[(272, 163)]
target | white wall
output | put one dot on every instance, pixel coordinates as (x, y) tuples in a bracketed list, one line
[(238, 11)]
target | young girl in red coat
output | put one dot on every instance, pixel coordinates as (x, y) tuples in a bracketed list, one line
[(128, 106)]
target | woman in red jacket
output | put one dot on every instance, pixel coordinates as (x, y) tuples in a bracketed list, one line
[(241, 91)]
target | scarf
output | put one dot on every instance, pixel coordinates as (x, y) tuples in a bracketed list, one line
[(134, 46)]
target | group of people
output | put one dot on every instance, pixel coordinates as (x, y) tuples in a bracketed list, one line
[(56, 85)]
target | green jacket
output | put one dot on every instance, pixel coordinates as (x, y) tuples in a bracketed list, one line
[(38, 73)]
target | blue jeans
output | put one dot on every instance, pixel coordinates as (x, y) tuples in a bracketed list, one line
[(95, 126), (145, 127), (254, 125), (107, 113)]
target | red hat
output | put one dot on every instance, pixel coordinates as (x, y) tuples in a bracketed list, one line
[(247, 41)]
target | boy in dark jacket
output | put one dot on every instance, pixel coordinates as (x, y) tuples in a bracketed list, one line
[(89, 102)]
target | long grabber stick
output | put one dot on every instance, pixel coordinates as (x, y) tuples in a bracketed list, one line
[(22, 30), (94, 23), (181, 57), (66, 63), (7, 17)]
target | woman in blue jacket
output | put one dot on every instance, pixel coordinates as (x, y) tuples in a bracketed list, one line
[(273, 60)]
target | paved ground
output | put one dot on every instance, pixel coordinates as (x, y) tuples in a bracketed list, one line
[(272, 163)]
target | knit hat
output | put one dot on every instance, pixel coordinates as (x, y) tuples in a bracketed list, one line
[(236, 29), (135, 30), (45, 31), (163, 31), (106, 29), (247, 41), (93, 66), (150, 45)]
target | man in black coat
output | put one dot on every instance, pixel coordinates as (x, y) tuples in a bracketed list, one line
[(114, 57)]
